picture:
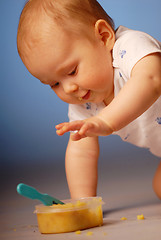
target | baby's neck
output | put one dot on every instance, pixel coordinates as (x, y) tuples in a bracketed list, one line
[(109, 99)]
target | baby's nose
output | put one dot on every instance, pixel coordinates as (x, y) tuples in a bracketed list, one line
[(70, 87)]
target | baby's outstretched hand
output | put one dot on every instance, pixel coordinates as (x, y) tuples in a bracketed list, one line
[(94, 126)]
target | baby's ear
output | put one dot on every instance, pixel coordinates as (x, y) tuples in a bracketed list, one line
[(105, 33)]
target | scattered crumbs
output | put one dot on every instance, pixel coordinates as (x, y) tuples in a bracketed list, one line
[(78, 232), (89, 233), (140, 217), (123, 218), (14, 229), (104, 234)]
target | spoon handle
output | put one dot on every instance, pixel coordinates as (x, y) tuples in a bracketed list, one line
[(30, 192)]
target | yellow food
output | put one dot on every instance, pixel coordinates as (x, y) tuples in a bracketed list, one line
[(89, 233), (123, 218), (78, 232), (140, 217), (72, 216)]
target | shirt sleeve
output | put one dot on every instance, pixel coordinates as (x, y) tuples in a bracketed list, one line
[(130, 47)]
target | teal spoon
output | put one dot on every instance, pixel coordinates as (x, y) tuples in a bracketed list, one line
[(32, 193)]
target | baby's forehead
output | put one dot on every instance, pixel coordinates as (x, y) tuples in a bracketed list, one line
[(42, 29)]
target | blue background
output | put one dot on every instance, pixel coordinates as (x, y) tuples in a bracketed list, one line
[(30, 110)]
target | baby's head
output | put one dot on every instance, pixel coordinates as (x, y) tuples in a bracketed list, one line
[(40, 18), (43, 24)]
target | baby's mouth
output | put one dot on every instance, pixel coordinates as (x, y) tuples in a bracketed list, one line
[(87, 95)]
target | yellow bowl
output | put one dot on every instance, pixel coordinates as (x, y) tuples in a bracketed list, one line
[(74, 215)]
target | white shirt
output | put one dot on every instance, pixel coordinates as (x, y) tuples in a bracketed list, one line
[(129, 48)]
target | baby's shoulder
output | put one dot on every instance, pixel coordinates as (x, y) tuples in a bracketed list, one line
[(126, 37), (130, 47)]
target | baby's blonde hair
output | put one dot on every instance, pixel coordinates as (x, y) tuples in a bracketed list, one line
[(71, 15)]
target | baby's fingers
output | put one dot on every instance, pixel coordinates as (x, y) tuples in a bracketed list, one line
[(87, 129), (60, 125), (75, 136), (72, 126)]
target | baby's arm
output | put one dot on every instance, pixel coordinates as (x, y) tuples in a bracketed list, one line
[(157, 181), (138, 94), (81, 167)]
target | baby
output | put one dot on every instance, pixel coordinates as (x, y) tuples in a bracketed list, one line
[(110, 78)]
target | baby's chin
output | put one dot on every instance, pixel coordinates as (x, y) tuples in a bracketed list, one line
[(83, 101)]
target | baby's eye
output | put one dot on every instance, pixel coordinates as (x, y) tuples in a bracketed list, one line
[(54, 85), (73, 72)]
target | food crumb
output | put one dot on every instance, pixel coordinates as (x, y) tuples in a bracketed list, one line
[(78, 232), (105, 234), (14, 229), (140, 217), (89, 233), (123, 218)]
